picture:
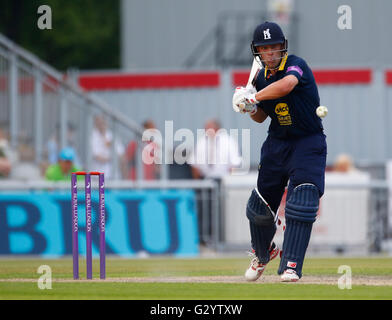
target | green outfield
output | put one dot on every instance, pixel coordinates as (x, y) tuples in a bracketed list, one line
[(190, 279)]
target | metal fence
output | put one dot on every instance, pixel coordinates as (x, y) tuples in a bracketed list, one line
[(42, 111)]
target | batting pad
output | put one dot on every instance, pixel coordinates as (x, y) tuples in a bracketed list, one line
[(301, 212), (258, 210), (262, 225), (261, 238)]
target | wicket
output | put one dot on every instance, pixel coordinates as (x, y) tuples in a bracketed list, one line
[(75, 247)]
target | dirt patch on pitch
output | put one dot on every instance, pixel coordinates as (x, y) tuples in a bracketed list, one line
[(329, 280)]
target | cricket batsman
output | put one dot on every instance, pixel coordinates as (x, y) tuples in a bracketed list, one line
[(293, 155)]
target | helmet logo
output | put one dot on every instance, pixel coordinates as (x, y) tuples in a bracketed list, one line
[(267, 34)]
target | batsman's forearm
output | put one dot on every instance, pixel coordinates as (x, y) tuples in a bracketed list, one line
[(273, 91), (277, 89), (259, 116)]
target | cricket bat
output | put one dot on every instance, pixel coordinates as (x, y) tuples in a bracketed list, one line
[(252, 76)]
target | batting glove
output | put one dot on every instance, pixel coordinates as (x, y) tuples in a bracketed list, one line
[(243, 98), (250, 98), (238, 96), (248, 108)]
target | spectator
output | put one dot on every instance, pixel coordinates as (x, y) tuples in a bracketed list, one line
[(64, 167), (24, 168), (150, 171), (180, 169), (5, 161), (344, 164), (215, 154), (53, 143), (101, 147)]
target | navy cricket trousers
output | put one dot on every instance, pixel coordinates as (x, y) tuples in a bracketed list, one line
[(292, 161)]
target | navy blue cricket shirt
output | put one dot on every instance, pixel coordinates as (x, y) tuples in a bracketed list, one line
[(294, 115)]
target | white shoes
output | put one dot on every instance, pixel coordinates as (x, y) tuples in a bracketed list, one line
[(256, 268), (289, 275)]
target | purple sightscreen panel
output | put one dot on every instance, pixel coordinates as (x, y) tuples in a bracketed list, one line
[(74, 215), (89, 257), (102, 254)]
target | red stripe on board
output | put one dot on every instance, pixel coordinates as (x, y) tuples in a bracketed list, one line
[(240, 78), (149, 81), (322, 77), (388, 77), (348, 76), (190, 80)]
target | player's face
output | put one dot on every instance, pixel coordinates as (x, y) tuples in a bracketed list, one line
[(271, 54), (66, 166)]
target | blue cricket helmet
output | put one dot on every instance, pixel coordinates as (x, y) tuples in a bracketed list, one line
[(268, 33)]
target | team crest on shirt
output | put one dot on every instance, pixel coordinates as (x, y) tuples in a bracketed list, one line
[(283, 113)]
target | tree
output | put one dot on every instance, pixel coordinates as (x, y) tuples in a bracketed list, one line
[(85, 34)]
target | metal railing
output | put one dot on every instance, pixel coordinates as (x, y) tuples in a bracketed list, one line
[(227, 44), (42, 109)]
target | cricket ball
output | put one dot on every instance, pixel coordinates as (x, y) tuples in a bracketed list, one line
[(321, 111)]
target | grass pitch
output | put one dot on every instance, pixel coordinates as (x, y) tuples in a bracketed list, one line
[(195, 279)]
